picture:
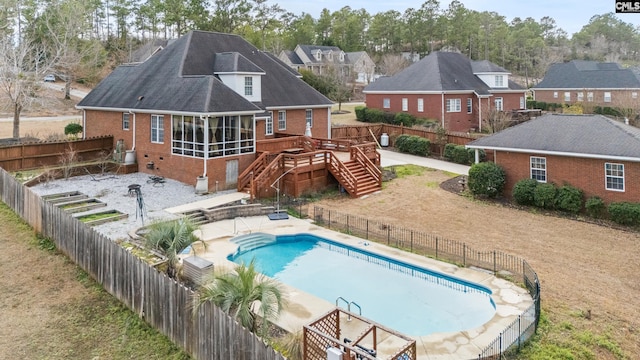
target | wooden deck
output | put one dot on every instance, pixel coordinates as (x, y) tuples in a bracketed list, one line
[(296, 165)]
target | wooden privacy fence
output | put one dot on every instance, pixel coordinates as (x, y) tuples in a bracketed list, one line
[(48, 153), (514, 335), (363, 133), (168, 306)]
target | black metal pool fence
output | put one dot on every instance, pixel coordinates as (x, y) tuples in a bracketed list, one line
[(500, 264)]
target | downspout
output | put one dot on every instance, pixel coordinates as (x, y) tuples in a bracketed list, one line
[(442, 108), (329, 123), (84, 123), (133, 141), (206, 141), (479, 118)]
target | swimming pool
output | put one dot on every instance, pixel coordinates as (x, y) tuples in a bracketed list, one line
[(407, 298)]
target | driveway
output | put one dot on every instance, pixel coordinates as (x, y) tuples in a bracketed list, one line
[(390, 158)]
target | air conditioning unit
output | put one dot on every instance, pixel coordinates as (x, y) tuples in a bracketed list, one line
[(334, 353)]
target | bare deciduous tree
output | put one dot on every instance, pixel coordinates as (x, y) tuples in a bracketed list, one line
[(392, 64), (19, 76)]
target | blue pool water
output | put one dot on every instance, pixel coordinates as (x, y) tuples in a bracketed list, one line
[(409, 299)]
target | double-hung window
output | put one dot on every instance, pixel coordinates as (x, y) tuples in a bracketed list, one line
[(453, 105), (499, 81), (248, 86), (282, 120), (405, 104), (539, 169), (386, 103), (580, 96), (499, 102), (268, 127), (567, 96), (420, 105), (607, 96), (309, 117), (126, 123), (469, 105), (157, 129), (614, 176)]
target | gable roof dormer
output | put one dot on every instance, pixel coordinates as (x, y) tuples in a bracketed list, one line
[(491, 74)]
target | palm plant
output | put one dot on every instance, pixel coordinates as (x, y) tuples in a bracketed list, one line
[(237, 292), (171, 237)]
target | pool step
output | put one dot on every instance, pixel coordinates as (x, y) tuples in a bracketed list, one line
[(253, 240)]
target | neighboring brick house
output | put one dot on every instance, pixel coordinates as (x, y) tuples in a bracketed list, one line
[(596, 154), (197, 107), (589, 82), (449, 87), (356, 66)]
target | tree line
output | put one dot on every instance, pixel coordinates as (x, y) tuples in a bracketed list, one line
[(84, 39)]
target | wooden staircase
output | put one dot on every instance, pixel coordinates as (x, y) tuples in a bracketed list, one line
[(359, 176)]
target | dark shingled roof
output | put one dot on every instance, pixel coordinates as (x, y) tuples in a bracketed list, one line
[(440, 72), (180, 78), (581, 74), (582, 135), (233, 62)]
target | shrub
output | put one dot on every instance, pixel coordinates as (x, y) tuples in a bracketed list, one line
[(374, 115), (472, 155), (404, 119), (73, 129), (569, 199), (625, 213), (361, 113), (594, 207), (524, 190), (448, 151), (544, 196), (414, 145), (460, 155), (486, 179)]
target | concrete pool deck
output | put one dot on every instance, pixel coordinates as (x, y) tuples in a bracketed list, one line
[(303, 308)]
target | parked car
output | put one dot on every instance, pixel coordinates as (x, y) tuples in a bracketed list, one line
[(50, 78)]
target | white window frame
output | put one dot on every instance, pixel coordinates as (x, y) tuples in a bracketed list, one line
[(386, 103), (453, 105), (607, 96), (157, 129), (469, 105), (126, 121), (282, 120), (590, 96), (420, 105), (580, 96), (268, 125), (538, 168), (555, 94), (613, 176), (405, 104), (634, 95), (499, 103), (499, 81), (308, 117), (248, 86), (567, 96)]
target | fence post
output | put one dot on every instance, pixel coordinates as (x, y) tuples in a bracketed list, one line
[(411, 240), (494, 263), (366, 236), (519, 331), (388, 234), (464, 254), (329, 219), (348, 224), (436, 247)]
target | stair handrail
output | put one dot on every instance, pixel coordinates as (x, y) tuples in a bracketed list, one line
[(256, 167), (276, 166), (341, 171), (358, 155)]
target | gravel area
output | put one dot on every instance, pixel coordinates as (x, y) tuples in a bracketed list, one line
[(114, 191)]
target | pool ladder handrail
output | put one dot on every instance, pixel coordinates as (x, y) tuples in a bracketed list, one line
[(349, 303), (235, 227)]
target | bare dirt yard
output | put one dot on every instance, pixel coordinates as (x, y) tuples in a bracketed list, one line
[(583, 267)]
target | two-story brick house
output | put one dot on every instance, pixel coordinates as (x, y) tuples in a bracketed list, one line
[(450, 88), (596, 154), (196, 108), (590, 83)]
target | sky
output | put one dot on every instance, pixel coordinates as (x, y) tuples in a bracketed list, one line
[(570, 15)]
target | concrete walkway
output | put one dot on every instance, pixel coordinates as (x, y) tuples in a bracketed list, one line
[(390, 158)]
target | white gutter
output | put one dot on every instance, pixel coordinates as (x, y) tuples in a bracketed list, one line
[(171, 112), (557, 153)]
